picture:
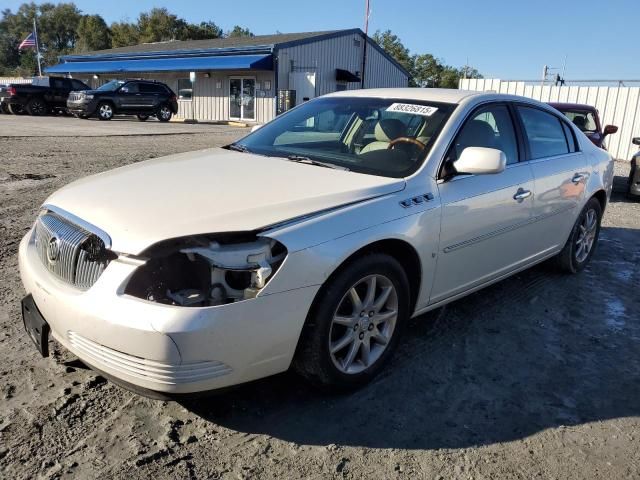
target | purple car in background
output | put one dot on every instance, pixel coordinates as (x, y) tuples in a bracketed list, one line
[(586, 118)]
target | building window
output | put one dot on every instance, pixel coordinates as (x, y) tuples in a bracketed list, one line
[(185, 89)]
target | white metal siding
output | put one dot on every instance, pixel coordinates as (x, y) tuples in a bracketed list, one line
[(8, 80), (324, 56), (382, 73), (617, 105)]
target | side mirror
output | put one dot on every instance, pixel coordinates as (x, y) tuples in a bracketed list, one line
[(255, 127), (481, 161), (636, 141), (610, 130)]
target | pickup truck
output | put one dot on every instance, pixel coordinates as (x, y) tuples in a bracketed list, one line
[(586, 118), (44, 95)]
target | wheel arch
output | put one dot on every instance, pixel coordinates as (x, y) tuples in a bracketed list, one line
[(601, 196), (400, 250)]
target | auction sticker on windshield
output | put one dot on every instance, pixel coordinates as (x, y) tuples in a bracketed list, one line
[(412, 108)]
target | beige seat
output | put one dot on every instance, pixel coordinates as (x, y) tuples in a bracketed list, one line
[(385, 131)]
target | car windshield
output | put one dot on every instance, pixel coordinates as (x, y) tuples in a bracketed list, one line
[(375, 136), (583, 119), (111, 86)]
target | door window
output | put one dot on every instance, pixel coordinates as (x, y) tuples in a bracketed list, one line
[(544, 132), (490, 127), (130, 88), (151, 88), (185, 89)]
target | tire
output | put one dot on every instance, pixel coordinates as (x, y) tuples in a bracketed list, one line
[(15, 109), (319, 356), (143, 118), (164, 113), (573, 258), (37, 107), (105, 111)]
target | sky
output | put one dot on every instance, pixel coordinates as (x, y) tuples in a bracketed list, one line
[(506, 39)]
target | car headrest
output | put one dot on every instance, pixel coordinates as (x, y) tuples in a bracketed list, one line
[(477, 133), (580, 122), (389, 129)]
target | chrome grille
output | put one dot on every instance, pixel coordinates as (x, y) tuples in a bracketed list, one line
[(75, 96), (70, 252)]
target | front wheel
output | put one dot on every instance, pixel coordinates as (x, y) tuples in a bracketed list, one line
[(355, 323), (164, 113), (105, 111), (583, 238)]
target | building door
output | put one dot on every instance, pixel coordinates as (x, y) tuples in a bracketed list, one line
[(242, 98), (304, 83)]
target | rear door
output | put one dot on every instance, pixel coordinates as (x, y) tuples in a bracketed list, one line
[(485, 227), (560, 174), (58, 92), (150, 96)]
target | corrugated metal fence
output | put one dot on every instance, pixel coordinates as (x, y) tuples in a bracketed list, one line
[(8, 80), (617, 105)]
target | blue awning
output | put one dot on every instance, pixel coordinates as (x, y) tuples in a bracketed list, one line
[(185, 64)]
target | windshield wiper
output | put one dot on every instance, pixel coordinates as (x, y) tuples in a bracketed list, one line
[(238, 147), (310, 161)]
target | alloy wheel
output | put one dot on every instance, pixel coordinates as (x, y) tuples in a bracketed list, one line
[(586, 235), (38, 108), (106, 111), (165, 113), (363, 324)]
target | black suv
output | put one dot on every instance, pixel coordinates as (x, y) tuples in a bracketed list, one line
[(143, 98)]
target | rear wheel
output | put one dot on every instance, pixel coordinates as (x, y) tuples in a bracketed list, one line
[(143, 118), (16, 109), (105, 111), (37, 106), (164, 113), (355, 324), (583, 238)]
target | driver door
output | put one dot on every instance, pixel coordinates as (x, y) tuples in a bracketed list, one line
[(485, 227)]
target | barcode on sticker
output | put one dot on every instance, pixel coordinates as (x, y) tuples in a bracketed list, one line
[(412, 108)]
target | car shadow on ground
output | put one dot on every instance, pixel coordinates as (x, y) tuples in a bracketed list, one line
[(536, 351)]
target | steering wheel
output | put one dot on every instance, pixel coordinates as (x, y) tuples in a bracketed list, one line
[(413, 141)]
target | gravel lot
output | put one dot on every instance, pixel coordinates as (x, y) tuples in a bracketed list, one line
[(535, 377)]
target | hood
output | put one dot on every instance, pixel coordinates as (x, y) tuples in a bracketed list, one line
[(209, 191)]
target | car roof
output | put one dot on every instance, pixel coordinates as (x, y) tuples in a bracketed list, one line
[(445, 95), (571, 106)]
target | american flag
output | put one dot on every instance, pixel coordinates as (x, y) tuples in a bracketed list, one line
[(29, 42)]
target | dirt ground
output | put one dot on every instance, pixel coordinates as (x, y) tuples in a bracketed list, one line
[(535, 377)]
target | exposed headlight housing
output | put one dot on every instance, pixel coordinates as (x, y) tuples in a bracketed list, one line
[(206, 270)]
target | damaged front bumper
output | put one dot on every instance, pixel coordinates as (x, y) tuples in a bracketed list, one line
[(166, 348)]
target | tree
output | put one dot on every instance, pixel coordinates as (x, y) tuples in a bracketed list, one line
[(124, 34), (392, 44), (238, 31), (158, 25), (58, 26), (203, 31), (93, 34)]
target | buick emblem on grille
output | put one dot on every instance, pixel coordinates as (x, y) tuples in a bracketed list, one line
[(53, 249)]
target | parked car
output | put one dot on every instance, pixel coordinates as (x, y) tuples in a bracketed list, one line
[(142, 98), (310, 242), (4, 107), (44, 95), (634, 175), (586, 118)]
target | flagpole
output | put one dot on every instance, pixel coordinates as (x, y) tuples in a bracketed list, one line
[(366, 40), (35, 32)]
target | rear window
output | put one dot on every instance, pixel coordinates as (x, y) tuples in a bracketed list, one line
[(545, 133), (152, 88)]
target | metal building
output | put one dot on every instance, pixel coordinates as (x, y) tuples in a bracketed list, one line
[(249, 79)]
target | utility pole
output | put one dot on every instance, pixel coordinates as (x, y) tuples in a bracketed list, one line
[(35, 32), (366, 41)]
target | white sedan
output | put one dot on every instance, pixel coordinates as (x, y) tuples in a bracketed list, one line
[(310, 242)]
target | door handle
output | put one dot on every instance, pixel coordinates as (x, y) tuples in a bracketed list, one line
[(521, 194), (578, 177)]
